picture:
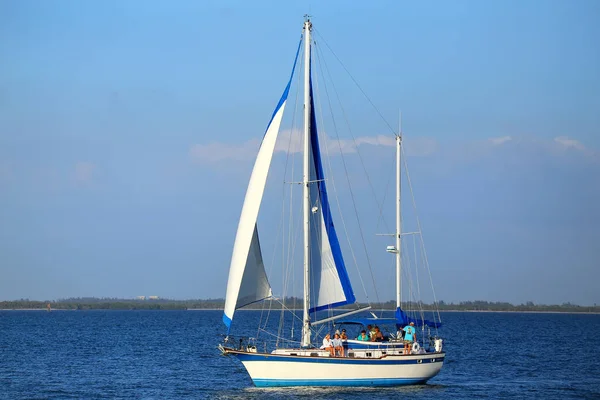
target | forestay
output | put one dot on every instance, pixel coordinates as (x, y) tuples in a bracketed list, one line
[(248, 281)]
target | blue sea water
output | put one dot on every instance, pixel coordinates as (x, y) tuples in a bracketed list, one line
[(173, 355)]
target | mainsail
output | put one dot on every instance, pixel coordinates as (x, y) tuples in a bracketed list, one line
[(247, 281), (330, 285)]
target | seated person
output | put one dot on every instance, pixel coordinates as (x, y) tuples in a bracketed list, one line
[(363, 336), (338, 347), (328, 344), (378, 337), (371, 332), (343, 335)]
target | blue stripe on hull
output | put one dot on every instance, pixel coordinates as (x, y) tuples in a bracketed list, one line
[(336, 360), (338, 382)]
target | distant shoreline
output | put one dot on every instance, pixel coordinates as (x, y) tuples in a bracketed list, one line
[(91, 303)]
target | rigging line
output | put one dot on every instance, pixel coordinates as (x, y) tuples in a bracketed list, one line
[(288, 309), (414, 240), (348, 179), (407, 273), (278, 337), (354, 80), (415, 298), (319, 56), (266, 318), (287, 265), (293, 244), (281, 221), (280, 235), (435, 302), (362, 162)]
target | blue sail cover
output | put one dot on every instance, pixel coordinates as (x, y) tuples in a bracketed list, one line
[(400, 319), (329, 281), (404, 319)]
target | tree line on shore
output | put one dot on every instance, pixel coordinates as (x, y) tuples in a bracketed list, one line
[(92, 303)]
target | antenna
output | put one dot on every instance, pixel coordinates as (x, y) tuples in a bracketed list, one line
[(399, 122)]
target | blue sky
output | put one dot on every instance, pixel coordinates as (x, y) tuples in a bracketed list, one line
[(127, 131)]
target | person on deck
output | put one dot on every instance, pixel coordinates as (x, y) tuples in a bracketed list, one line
[(378, 336), (338, 346), (363, 336), (410, 335), (371, 332), (344, 338), (400, 333), (328, 345)]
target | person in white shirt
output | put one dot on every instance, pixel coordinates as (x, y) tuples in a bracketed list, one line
[(338, 346), (328, 345)]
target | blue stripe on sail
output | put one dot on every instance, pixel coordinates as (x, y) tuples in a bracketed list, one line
[(227, 322), (332, 305), (339, 382), (327, 218), (287, 88)]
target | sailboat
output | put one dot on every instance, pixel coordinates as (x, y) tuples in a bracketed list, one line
[(326, 281)]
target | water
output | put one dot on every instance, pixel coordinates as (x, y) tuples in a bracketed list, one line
[(173, 355)]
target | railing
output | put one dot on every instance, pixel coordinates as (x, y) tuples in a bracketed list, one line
[(252, 344), (246, 343)]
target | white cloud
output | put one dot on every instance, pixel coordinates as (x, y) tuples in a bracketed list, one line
[(291, 142), (567, 142), (216, 152), (420, 146), (84, 172), (500, 140)]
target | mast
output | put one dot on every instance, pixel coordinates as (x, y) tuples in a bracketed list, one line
[(306, 182), (398, 214)]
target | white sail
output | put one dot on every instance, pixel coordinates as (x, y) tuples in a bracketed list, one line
[(329, 282), (247, 269), (247, 281), (255, 285), (327, 289)]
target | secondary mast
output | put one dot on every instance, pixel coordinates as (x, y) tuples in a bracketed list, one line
[(398, 214), (306, 182)]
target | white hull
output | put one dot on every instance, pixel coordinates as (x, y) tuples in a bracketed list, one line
[(285, 370)]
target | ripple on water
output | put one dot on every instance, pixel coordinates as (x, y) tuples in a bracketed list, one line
[(173, 355)]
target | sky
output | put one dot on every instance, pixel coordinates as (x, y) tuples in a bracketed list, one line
[(128, 132)]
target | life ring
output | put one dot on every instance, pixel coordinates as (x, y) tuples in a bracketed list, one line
[(416, 347)]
